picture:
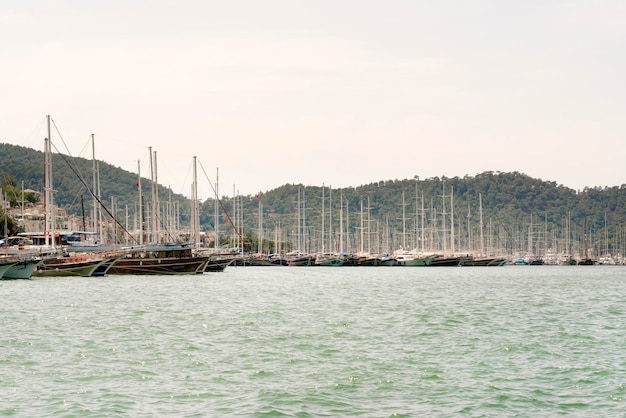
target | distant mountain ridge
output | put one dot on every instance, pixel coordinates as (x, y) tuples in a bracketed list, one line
[(513, 200)]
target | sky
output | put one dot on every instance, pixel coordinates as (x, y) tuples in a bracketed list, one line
[(335, 93)]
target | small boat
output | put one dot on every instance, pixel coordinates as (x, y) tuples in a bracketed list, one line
[(585, 262), (443, 261), (69, 266), (296, 258), (22, 269), (484, 261), (385, 260), (277, 260), (218, 264), (168, 259), (367, 261), (5, 264), (414, 260), (350, 260), (566, 260), (329, 260)]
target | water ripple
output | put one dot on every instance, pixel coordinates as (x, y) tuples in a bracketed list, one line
[(313, 342)]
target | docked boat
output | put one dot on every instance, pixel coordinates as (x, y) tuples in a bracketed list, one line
[(71, 266), (566, 260), (443, 261), (386, 261), (414, 260), (367, 260), (350, 260), (167, 259), (22, 269), (218, 264), (484, 261), (296, 258), (329, 260), (5, 264)]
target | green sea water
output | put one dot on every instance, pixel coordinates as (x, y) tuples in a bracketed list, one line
[(318, 341)]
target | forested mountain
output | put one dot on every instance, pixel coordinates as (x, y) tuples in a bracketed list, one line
[(72, 178), (517, 211)]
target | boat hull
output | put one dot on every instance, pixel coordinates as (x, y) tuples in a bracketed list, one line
[(159, 266), (5, 266), (23, 269), (60, 269), (414, 262), (330, 262), (217, 265), (484, 262)]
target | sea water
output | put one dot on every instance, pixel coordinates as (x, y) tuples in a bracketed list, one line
[(318, 341)]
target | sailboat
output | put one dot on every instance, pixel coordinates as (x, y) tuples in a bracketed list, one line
[(162, 258)]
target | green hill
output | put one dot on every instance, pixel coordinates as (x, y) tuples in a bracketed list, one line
[(519, 213)]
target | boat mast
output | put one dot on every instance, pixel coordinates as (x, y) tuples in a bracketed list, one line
[(403, 222), (194, 205), (423, 238), (369, 232), (5, 212), (49, 223), (452, 238), (323, 217), (480, 220), (443, 220), (330, 219), (362, 228), (140, 197), (470, 246), (348, 240), (217, 209), (417, 230), (299, 229), (155, 197), (260, 243), (96, 206)]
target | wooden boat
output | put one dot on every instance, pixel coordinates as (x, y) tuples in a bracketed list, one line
[(22, 269), (329, 260), (277, 260), (103, 268), (350, 260), (69, 266), (167, 259), (299, 259), (446, 261), (367, 261), (566, 260), (214, 265), (386, 261), (413, 260), (484, 261), (5, 264)]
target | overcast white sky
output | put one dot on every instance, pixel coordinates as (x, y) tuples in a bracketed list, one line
[(340, 93)]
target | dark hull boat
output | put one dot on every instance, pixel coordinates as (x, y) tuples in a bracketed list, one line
[(446, 262), (214, 265), (167, 259), (59, 267), (488, 261)]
